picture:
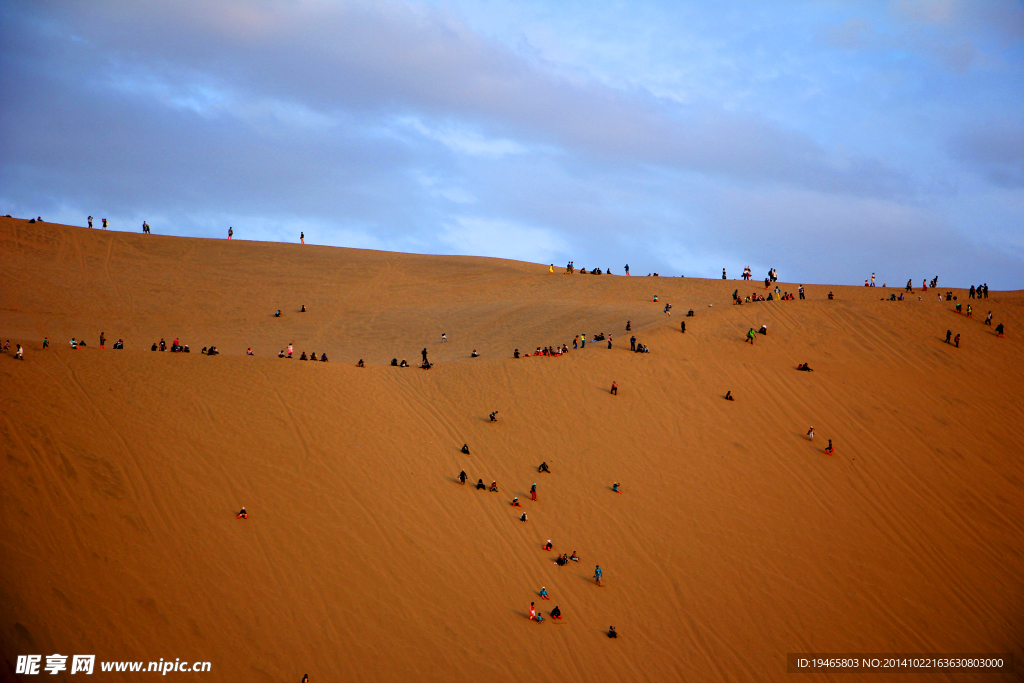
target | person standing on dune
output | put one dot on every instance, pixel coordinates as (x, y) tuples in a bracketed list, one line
[(956, 340), (231, 233), (829, 450), (597, 574), (615, 387), (90, 222), (302, 238), (810, 434), (290, 344)]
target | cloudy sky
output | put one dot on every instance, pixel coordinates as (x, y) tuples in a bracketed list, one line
[(826, 139)]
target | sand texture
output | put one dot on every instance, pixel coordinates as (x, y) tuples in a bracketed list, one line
[(736, 539)]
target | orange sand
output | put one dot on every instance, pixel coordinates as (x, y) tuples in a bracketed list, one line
[(737, 540)]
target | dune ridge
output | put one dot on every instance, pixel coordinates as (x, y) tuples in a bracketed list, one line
[(736, 539)]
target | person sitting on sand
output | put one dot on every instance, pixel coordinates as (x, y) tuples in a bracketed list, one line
[(213, 351), (556, 613), (303, 309), (494, 416), (248, 351), (242, 514), (394, 362), (462, 477), (612, 633), (281, 355), (323, 358), (515, 502), (810, 434), (360, 364), (277, 313), (523, 518), (426, 365), (163, 344), (829, 449), (465, 448), (830, 296), (202, 352), (763, 330), (474, 354), (494, 486), (403, 364), (540, 618), (184, 349), (515, 354), (303, 356), (544, 468), (728, 396), (548, 545), (480, 485), (574, 557), (805, 367), (313, 356), (615, 487), (544, 593), (119, 344)]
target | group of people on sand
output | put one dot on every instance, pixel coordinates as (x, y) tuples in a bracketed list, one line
[(176, 345), (19, 353), (287, 353), (561, 560)]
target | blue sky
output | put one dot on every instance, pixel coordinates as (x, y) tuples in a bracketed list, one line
[(828, 140)]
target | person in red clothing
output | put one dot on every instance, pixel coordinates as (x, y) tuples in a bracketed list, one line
[(533, 491), (533, 612), (242, 514), (830, 449)]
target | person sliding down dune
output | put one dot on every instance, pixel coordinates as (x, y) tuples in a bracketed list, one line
[(805, 367), (829, 450), (242, 514), (494, 487), (544, 468), (480, 486), (465, 448), (728, 396)]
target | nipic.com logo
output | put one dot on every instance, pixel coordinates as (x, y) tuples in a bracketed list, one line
[(32, 665)]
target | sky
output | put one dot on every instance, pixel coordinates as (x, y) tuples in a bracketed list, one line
[(828, 140)]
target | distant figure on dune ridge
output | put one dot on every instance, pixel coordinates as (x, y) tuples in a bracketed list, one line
[(830, 449), (810, 433), (231, 233), (90, 222), (302, 238), (104, 223), (242, 514), (728, 396), (551, 270), (462, 477)]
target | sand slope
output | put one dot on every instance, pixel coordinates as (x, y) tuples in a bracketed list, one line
[(363, 559)]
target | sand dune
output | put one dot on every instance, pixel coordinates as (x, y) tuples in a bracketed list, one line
[(736, 540)]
